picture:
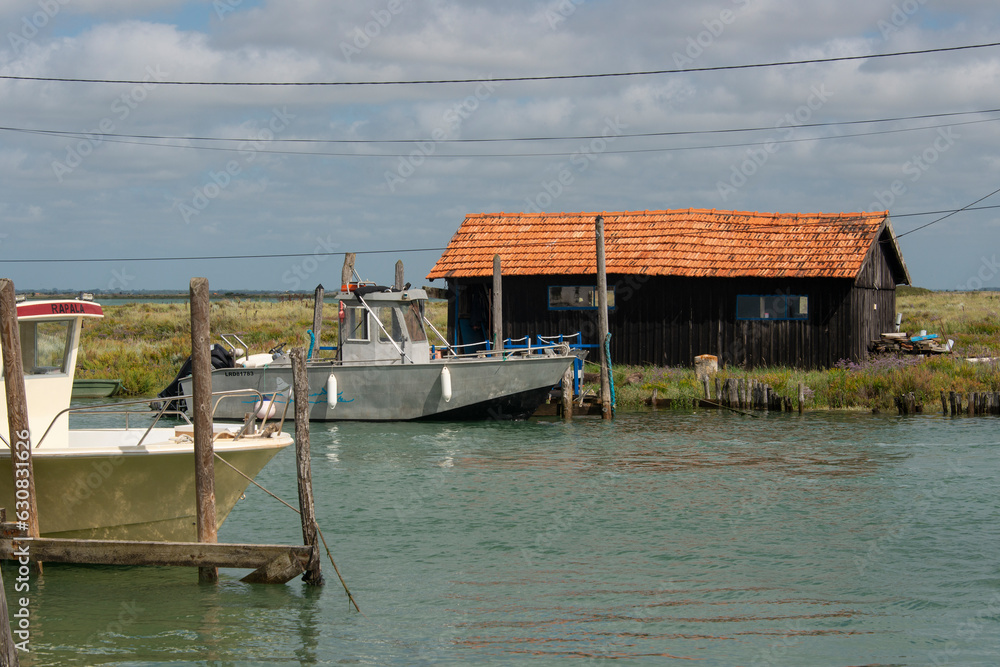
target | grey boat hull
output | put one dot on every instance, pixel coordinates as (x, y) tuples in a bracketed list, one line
[(481, 389)]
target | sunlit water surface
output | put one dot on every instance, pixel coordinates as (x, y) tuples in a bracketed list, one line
[(829, 539)]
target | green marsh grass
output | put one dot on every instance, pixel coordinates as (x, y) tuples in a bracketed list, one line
[(144, 345)]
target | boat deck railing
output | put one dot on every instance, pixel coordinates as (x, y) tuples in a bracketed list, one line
[(165, 411), (524, 345)]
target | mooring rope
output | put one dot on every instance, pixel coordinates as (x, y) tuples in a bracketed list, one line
[(299, 512), (611, 375)]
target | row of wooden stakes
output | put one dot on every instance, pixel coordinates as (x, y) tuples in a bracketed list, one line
[(747, 394), (955, 403)]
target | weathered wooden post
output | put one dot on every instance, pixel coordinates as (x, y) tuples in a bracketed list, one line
[(398, 284), (802, 396), (567, 394), (8, 649), (347, 273), (17, 409), (497, 305), (602, 318), (307, 509), (317, 318), (204, 463)]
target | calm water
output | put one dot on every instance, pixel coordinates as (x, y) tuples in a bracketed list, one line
[(662, 537)]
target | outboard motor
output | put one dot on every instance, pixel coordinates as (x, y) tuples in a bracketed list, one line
[(221, 358)]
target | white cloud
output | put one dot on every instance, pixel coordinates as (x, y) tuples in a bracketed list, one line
[(124, 198)]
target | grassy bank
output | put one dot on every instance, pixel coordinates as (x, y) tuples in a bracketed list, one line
[(144, 344), (971, 319)]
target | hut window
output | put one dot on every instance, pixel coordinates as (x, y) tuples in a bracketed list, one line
[(772, 307), (576, 297)]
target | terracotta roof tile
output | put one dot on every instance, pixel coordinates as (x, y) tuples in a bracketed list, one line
[(692, 242)]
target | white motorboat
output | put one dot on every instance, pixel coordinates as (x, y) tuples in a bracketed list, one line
[(384, 369), (134, 483)]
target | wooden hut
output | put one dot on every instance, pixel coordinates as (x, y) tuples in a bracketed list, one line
[(754, 289)]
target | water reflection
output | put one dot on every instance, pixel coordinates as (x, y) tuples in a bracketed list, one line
[(822, 539)]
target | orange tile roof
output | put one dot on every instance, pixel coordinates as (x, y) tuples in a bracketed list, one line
[(691, 242)]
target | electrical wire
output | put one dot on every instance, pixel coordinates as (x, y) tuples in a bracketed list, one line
[(623, 151), (545, 244), (944, 217), (507, 79), (627, 135)]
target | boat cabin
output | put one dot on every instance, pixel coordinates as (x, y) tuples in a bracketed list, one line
[(382, 325), (49, 333)]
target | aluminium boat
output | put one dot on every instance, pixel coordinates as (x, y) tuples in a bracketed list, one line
[(384, 369)]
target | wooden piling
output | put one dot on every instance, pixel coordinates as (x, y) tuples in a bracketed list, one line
[(971, 407), (708, 388), (17, 407), (567, 394), (602, 317), (307, 508), (347, 272), (398, 284), (317, 317), (204, 461), (8, 649), (497, 304), (802, 396), (944, 403)]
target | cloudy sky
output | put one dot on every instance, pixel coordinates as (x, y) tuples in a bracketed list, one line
[(310, 172)]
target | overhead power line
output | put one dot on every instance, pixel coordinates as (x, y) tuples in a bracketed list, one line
[(507, 79), (546, 244), (436, 155), (950, 213), (626, 135)]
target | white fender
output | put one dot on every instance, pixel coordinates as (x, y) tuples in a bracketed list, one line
[(331, 391), (265, 410), (446, 384)]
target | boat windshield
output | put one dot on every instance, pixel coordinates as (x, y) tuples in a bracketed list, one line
[(389, 317), (415, 322), (45, 346)]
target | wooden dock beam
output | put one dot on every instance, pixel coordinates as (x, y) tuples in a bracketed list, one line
[(347, 271), (177, 554), (307, 509), (602, 318), (399, 278), (498, 305), (317, 318), (566, 395), (17, 412), (201, 409)]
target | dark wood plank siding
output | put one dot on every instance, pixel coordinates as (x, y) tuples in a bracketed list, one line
[(667, 321)]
